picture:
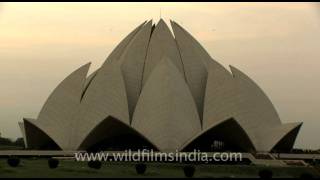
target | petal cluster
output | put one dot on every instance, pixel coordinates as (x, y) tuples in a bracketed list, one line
[(165, 88)]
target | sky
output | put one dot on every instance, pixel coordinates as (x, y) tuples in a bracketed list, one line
[(276, 44)]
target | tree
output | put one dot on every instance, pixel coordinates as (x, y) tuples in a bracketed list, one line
[(19, 142), (5, 141)]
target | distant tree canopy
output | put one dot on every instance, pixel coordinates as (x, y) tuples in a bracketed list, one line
[(4, 142), (19, 142)]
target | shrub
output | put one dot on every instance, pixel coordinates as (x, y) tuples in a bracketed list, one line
[(95, 164), (13, 161), (53, 163), (265, 174), (141, 168), (189, 171)]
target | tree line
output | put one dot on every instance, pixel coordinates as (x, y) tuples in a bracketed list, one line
[(5, 142)]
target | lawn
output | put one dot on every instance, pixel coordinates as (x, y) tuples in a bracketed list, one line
[(70, 168)]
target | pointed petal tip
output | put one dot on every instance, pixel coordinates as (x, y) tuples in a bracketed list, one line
[(233, 70), (86, 66), (178, 25), (30, 120), (238, 73), (27, 119), (292, 125), (142, 24), (161, 21), (231, 67), (150, 22), (297, 124)]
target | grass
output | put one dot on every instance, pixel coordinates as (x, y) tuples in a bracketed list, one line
[(68, 168)]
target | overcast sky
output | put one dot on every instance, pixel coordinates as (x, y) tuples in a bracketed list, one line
[(276, 44)]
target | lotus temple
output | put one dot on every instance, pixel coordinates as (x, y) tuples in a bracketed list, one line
[(159, 89)]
